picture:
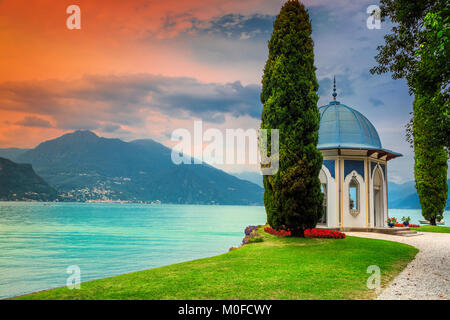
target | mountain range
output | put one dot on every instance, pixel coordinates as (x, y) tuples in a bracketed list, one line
[(20, 182), (83, 166), (404, 196), (401, 195)]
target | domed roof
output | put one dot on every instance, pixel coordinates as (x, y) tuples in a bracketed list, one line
[(344, 127)]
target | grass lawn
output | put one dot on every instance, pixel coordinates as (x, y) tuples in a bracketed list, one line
[(278, 268), (439, 229)]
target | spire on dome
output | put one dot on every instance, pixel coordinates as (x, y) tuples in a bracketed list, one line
[(334, 88)]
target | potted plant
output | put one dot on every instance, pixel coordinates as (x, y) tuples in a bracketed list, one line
[(406, 221), (391, 222)]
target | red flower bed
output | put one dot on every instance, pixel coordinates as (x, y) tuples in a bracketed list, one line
[(309, 233), (278, 233), (324, 233), (409, 225)]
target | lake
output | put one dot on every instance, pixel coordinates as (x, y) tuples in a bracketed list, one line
[(415, 214), (39, 242)]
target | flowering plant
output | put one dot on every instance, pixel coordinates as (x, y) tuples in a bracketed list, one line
[(250, 229), (392, 220), (278, 233), (251, 235), (406, 219)]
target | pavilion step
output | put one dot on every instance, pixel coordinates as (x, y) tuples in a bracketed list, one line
[(407, 233)]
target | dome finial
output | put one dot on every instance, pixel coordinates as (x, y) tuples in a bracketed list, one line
[(334, 88)]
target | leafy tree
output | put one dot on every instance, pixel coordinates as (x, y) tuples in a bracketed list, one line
[(417, 50), (292, 197), (433, 73)]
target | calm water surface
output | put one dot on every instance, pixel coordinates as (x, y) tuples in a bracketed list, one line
[(38, 242), (415, 215)]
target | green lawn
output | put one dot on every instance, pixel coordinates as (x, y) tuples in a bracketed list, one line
[(438, 229), (278, 268)]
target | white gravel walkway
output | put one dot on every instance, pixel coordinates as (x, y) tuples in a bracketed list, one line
[(427, 277)]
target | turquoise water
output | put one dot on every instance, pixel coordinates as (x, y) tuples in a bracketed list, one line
[(38, 243), (415, 214)]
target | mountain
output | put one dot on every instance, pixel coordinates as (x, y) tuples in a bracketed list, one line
[(11, 153), (404, 196), (251, 176), (83, 166), (20, 182)]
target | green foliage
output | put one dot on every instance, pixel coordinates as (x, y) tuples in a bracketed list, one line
[(255, 239), (292, 197), (430, 168), (418, 50), (414, 25)]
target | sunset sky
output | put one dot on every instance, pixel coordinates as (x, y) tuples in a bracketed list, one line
[(140, 69)]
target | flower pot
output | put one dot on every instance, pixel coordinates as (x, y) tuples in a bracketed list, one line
[(406, 224), (391, 225)]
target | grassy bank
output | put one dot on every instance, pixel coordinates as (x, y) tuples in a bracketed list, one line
[(278, 268), (438, 229)]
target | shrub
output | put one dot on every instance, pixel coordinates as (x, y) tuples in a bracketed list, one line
[(255, 239), (251, 235)]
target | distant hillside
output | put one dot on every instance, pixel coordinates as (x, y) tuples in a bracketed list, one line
[(11, 153), (404, 196), (20, 182), (87, 167), (251, 176)]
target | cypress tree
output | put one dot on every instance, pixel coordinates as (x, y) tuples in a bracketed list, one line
[(292, 196), (430, 167)]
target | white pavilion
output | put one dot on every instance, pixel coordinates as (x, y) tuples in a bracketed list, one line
[(354, 170)]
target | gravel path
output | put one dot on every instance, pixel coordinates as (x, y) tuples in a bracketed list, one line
[(427, 277)]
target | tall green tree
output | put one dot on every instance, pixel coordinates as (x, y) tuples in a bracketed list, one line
[(417, 50), (292, 197), (430, 167)]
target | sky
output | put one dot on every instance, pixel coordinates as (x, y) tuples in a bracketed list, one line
[(141, 69)]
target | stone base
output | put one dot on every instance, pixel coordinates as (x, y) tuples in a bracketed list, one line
[(396, 231)]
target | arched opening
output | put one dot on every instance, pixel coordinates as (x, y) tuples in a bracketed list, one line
[(354, 196), (378, 198), (324, 189)]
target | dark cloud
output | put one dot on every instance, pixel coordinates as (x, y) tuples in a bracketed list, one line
[(235, 26), (344, 86), (31, 121), (90, 102)]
